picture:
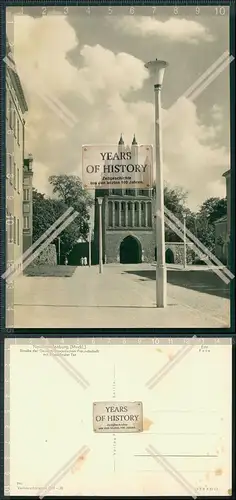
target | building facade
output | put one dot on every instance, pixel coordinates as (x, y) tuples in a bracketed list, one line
[(127, 215), (27, 202), (222, 227), (128, 226), (16, 107), (221, 249), (227, 177)]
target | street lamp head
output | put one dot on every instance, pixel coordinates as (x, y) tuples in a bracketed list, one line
[(100, 199), (157, 68)]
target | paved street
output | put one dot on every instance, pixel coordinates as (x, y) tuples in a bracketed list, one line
[(123, 297)]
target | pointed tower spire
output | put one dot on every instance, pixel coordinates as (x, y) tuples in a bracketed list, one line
[(134, 142), (121, 141)]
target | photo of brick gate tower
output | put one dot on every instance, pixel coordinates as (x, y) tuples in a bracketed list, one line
[(127, 221)]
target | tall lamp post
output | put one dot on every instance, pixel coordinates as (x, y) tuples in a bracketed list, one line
[(158, 68), (100, 200), (185, 245)]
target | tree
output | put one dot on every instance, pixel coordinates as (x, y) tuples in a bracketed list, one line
[(174, 200), (213, 209), (70, 190), (210, 211), (47, 210)]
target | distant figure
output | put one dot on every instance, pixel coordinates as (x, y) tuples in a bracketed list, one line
[(82, 261), (85, 261), (66, 261)]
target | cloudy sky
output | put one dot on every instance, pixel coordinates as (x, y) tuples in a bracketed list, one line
[(84, 79)]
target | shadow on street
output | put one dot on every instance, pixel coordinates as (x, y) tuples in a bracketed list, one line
[(200, 281)]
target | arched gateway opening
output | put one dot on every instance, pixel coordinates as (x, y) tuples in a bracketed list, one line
[(130, 251), (169, 256)]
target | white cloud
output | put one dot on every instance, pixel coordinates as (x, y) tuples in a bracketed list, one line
[(105, 71), (217, 113), (192, 155), (97, 92), (41, 47), (40, 179), (174, 29)]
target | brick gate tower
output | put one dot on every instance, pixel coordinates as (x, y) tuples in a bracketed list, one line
[(127, 214)]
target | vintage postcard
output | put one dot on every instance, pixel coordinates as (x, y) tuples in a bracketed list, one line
[(105, 417), (118, 167)]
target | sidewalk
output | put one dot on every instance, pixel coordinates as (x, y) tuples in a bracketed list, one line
[(192, 267), (115, 299)]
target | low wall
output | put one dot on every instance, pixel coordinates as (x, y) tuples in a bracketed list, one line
[(177, 248)]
